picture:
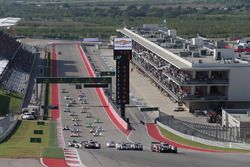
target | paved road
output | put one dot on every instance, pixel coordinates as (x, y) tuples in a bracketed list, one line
[(71, 64)]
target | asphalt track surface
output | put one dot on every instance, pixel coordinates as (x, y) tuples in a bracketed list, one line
[(71, 64)]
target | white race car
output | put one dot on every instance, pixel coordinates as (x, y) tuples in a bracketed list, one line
[(110, 144), (74, 130), (96, 134), (76, 124), (66, 127), (74, 134), (75, 119), (75, 144)]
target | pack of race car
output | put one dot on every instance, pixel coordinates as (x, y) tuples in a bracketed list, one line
[(129, 146), (163, 147)]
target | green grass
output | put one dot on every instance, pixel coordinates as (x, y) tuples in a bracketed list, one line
[(52, 152), (10, 102), (181, 140), (18, 144)]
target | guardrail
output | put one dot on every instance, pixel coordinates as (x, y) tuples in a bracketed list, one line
[(206, 132), (204, 141)]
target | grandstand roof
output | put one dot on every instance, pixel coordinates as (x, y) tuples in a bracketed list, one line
[(9, 21), (163, 53), (3, 64)]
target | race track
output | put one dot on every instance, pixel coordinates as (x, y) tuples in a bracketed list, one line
[(70, 64)]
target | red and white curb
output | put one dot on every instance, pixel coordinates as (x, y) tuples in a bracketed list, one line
[(72, 157)]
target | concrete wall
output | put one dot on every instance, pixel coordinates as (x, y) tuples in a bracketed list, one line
[(239, 86), (8, 131), (207, 142), (5, 122), (197, 41), (172, 32)]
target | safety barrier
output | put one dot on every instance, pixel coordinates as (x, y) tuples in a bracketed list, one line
[(204, 141)]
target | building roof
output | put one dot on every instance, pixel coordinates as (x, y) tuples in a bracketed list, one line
[(9, 21), (163, 53), (242, 115)]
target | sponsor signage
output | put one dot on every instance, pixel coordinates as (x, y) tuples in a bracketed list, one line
[(40, 123), (122, 44), (146, 109), (90, 40), (96, 85), (38, 132), (35, 140)]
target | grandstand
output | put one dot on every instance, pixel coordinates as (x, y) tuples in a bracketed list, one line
[(15, 64)]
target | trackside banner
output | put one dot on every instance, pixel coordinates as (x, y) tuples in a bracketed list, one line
[(122, 44)]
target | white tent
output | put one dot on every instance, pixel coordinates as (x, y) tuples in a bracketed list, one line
[(9, 21)]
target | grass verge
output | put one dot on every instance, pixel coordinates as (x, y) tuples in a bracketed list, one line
[(181, 140), (52, 152), (18, 145)]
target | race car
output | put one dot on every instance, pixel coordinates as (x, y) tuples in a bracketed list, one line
[(66, 127), (163, 147), (97, 120), (72, 114), (100, 129), (81, 97), (74, 130), (129, 146), (110, 144), (75, 144), (66, 109), (137, 146), (74, 134), (121, 146), (67, 97), (92, 130), (92, 144), (89, 125), (69, 105), (88, 115), (63, 90), (72, 101), (84, 107), (96, 134), (75, 119), (83, 110), (76, 124)]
